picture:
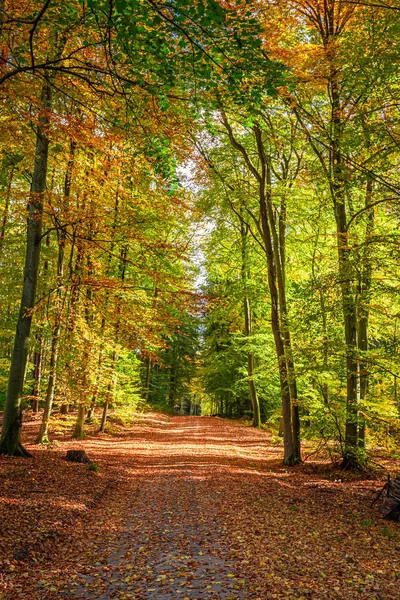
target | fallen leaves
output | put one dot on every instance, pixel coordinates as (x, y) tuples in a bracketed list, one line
[(179, 510)]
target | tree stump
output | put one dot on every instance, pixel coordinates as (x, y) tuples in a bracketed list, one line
[(78, 456)]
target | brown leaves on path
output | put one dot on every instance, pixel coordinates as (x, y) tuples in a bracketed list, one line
[(190, 508)]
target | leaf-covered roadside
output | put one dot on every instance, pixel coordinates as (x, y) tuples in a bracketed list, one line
[(190, 507)]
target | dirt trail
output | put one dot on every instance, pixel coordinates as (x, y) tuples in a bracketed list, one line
[(190, 508), (173, 543)]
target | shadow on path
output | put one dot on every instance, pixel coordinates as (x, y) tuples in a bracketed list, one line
[(172, 544)]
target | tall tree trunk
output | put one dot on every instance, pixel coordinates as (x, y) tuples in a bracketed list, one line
[(325, 333), (55, 340), (346, 277), (80, 420), (363, 307), (38, 358), (12, 421), (171, 391), (248, 327), (290, 443), (289, 457), (93, 403), (4, 219), (112, 383), (278, 248), (147, 382), (105, 409), (109, 393), (37, 373), (147, 378)]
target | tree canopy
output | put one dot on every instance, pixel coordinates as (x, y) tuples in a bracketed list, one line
[(200, 212)]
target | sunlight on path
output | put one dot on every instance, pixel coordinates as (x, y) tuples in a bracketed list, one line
[(172, 545), (193, 508)]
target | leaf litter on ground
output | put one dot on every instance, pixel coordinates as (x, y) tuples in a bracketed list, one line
[(191, 508)]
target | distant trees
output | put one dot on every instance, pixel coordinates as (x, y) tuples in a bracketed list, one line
[(291, 134), (99, 202), (322, 154), (105, 79)]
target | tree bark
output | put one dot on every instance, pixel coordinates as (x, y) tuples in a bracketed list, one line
[(93, 403), (346, 277), (279, 256), (55, 340), (112, 383), (330, 24), (171, 391), (282, 346), (289, 457), (248, 328), (12, 421), (109, 393), (79, 433), (64, 408), (37, 373), (4, 219), (363, 308), (43, 433), (147, 383), (147, 378)]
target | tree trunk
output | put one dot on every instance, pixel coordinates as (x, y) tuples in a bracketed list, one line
[(255, 404), (37, 374), (55, 340), (4, 219), (346, 277), (363, 308), (147, 383), (147, 378), (352, 407), (93, 403), (286, 378), (79, 433), (90, 412), (43, 433), (277, 242), (109, 394), (171, 392), (289, 457), (105, 410), (12, 421)]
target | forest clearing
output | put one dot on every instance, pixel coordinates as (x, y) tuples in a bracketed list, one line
[(190, 507)]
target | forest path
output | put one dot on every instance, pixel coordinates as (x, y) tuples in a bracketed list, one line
[(189, 508), (173, 543)]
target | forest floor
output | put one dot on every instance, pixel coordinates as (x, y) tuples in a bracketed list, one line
[(189, 508)]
